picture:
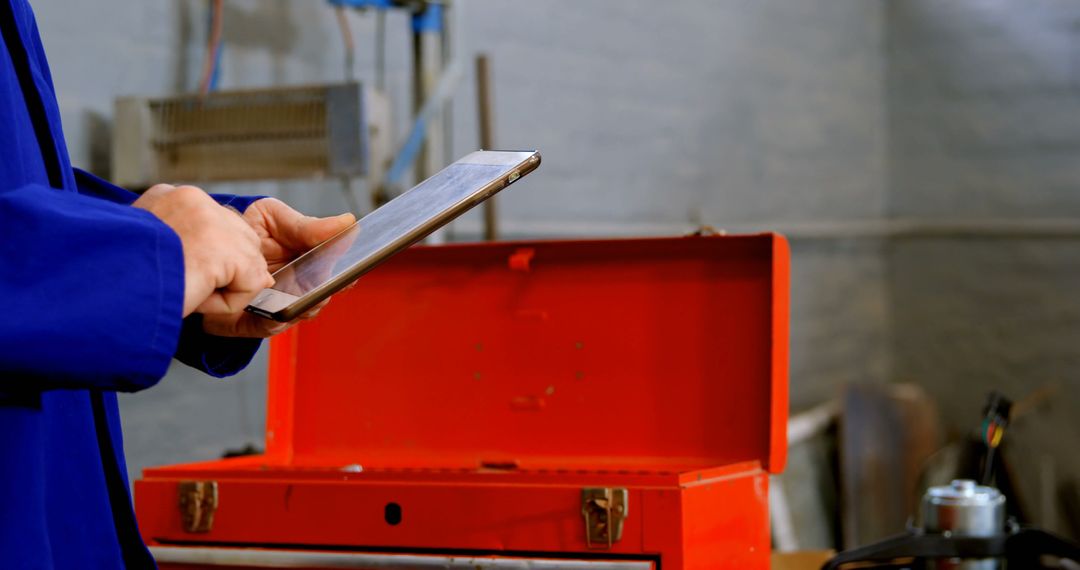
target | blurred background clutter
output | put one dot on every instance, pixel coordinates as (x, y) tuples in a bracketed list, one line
[(922, 157)]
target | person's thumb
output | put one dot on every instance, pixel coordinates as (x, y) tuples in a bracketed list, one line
[(313, 231)]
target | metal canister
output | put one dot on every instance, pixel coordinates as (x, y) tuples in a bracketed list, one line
[(964, 508)]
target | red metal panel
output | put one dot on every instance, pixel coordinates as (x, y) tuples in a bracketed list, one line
[(282, 392), (487, 517), (781, 295), (451, 357), (726, 523)]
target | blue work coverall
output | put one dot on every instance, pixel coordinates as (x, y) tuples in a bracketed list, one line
[(91, 294)]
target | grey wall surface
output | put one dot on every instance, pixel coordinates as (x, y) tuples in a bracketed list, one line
[(984, 118), (832, 115), (984, 122), (653, 119), (685, 113)]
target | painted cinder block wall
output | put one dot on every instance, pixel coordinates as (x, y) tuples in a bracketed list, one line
[(653, 118), (984, 126)]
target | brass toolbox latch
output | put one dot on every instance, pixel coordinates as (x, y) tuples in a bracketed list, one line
[(604, 510), (198, 501)]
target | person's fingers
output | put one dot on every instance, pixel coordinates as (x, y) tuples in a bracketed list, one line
[(310, 232), (224, 265), (215, 304), (157, 190), (290, 228), (244, 325), (252, 326), (227, 302), (250, 279), (267, 328), (152, 196), (224, 302), (252, 272), (277, 219)]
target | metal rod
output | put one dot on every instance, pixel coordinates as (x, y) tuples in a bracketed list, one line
[(206, 556), (350, 199), (213, 47), (419, 96), (347, 40), (484, 116), (380, 50), (447, 54), (408, 152)]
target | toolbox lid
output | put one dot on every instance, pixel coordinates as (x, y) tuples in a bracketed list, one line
[(636, 354)]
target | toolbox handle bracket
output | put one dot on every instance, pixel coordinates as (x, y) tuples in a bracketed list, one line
[(605, 509), (198, 502)]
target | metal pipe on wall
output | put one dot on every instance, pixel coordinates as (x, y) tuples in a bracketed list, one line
[(484, 116), (429, 59)]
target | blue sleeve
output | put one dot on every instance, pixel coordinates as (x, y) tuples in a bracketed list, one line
[(214, 355), (93, 292), (217, 356), (93, 186)]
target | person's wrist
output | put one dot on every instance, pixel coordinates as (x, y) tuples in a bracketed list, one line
[(198, 284), (192, 286)]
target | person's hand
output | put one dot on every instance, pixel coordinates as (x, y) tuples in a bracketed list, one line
[(223, 265), (283, 234)]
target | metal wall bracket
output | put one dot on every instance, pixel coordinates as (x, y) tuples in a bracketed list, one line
[(604, 510), (198, 502)]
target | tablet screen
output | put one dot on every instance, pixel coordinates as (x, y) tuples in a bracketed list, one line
[(384, 230)]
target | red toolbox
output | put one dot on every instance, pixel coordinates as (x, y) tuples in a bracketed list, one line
[(567, 404)]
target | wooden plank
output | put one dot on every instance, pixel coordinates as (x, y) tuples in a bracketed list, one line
[(887, 431)]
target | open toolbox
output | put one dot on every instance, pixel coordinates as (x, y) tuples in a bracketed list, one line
[(605, 404)]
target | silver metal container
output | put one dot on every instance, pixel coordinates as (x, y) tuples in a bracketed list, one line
[(964, 508)]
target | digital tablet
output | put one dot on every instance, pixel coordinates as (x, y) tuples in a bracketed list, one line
[(406, 219)]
